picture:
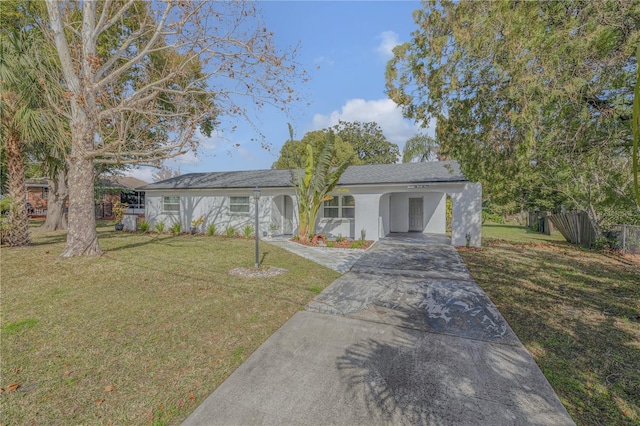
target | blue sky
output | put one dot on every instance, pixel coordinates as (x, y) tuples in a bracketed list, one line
[(351, 43)]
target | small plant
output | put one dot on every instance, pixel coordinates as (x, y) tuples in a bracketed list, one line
[(195, 223), (363, 234), (144, 226), (230, 231), (248, 230), (330, 244), (339, 238), (468, 237), (176, 228), (118, 211), (160, 227), (273, 227), (211, 229), (296, 238), (357, 244)]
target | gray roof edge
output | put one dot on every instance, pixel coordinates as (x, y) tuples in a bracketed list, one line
[(371, 174), (415, 182)]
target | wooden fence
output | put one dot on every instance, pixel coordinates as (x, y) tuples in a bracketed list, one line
[(539, 221), (576, 227)]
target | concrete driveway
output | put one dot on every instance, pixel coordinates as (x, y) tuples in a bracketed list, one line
[(405, 337)]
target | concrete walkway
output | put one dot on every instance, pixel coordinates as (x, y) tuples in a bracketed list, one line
[(340, 260), (406, 337)]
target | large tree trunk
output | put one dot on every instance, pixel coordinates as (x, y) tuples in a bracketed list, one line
[(82, 238), (58, 194), (19, 221)]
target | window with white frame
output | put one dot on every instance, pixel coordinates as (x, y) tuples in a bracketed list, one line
[(171, 204), (239, 204), (343, 206)]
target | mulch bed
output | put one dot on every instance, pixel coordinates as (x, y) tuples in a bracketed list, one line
[(346, 244)]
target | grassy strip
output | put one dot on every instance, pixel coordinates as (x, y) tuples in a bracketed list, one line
[(578, 314), (140, 335)]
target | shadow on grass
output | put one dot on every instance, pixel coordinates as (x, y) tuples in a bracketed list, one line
[(52, 237), (576, 312)]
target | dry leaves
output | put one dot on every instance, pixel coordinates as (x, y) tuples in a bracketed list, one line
[(109, 388), (12, 387)]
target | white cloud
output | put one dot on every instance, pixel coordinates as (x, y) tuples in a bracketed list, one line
[(385, 112), (389, 40), (323, 60), (142, 173)]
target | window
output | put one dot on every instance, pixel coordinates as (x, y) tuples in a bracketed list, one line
[(134, 199), (343, 206), (239, 204), (171, 204)]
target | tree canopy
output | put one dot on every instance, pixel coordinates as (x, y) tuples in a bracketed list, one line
[(368, 142), (364, 143), (533, 98), (293, 153)]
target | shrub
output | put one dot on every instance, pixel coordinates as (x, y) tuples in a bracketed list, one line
[(330, 244), (144, 226), (119, 209), (357, 244), (211, 229), (176, 228), (492, 217), (5, 205), (248, 230), (230, 231), (160, 227), (339, 238)]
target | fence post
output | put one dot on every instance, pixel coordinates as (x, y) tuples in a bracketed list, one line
[(624, 240)]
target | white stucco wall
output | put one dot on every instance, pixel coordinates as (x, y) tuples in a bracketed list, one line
[(467, 215), (383, 220), (214, 208), (435, 213), (367, 208)]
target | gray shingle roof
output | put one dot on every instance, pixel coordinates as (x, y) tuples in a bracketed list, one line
[(414, 173)]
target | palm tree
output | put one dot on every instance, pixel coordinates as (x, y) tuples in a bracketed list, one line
[(315, 182), (24, 120), (421, 148)]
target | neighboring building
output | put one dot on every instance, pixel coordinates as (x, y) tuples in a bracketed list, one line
[(37, 196), (374, 199), (108, 190)]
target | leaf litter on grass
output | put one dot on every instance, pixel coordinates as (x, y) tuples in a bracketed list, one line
[(577, 313)]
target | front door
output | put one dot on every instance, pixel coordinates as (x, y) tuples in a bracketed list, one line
[(287, 219), (415, 214)]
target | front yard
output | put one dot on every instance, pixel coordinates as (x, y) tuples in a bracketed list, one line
[(577, 312), (141, 335)]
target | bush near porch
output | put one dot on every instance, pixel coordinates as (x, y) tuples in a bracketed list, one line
[(141, 335)]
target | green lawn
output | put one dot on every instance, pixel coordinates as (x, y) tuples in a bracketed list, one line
[(140, 335), (577, 312)]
